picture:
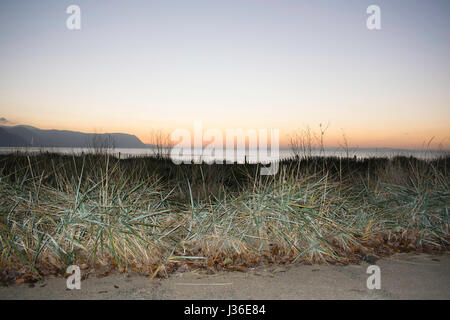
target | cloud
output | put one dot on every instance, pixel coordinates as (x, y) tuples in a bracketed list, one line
[(4, 121)]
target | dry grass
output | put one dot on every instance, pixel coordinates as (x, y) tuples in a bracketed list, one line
[(152, 216)]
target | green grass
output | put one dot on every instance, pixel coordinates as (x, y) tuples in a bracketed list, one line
[(149, 215)]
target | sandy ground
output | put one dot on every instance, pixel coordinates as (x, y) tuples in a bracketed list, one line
[(403, 276)]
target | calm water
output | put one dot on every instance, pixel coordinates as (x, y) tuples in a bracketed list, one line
[(283, 152)]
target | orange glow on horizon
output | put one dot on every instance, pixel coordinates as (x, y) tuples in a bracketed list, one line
[(356, 138)]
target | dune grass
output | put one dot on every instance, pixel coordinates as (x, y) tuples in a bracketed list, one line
[(151, 216)]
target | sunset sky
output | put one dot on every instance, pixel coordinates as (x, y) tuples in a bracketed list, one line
[(139, 65)]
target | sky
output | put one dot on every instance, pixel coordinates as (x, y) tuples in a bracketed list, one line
[(284, 64)]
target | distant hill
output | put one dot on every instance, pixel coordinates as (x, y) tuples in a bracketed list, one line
[(27, 136), (10, 140)]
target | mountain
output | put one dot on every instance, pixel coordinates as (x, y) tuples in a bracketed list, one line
[(10, 140), (27, 136)]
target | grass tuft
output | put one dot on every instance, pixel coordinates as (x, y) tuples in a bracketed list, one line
[(149, 215)]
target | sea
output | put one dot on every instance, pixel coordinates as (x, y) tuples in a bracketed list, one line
[(239, 155)]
